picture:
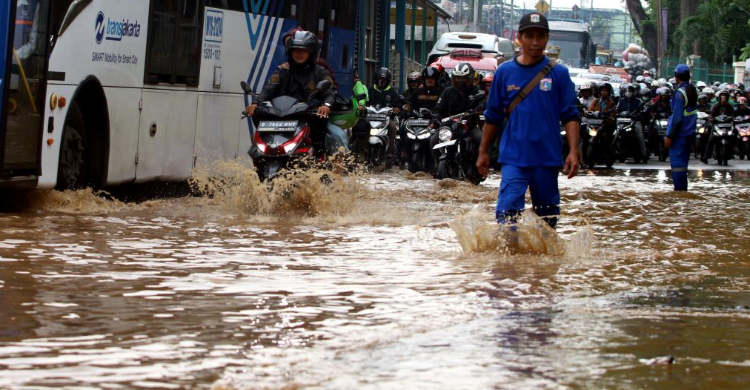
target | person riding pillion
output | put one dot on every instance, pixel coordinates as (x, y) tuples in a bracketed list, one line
[(535, 95), (681, 127), (300, 79), (381, 94)]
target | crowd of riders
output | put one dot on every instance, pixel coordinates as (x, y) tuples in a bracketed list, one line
[(647, 100), (435, 94)]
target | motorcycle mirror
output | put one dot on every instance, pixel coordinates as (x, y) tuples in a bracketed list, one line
[(361, 96), (246, 87), (324, 85)]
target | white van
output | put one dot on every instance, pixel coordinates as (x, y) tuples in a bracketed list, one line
[(487, 43)]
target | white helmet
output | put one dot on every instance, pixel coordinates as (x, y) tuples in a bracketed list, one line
[(708, 91), (700, 85), (463, 69)]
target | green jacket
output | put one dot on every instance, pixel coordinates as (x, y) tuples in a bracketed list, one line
[(360, 89)]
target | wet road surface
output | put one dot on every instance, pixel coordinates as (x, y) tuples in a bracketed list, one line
[(363, 284)]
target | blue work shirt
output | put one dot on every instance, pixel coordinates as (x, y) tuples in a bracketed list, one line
[(683, 121), (532, 134)]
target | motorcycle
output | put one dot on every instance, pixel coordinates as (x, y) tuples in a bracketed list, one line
[(703, 130), (458, 145), (658, 133), (377, 147), (416, 126), (742, 127), (724, 135), (283, 132), (626, 139), (599, 144)]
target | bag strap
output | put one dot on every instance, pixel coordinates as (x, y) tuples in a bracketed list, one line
[(530, 86)]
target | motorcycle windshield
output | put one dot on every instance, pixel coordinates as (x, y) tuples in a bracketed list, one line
[(285, 106)]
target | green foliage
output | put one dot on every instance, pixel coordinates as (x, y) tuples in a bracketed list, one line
[(721, 28)]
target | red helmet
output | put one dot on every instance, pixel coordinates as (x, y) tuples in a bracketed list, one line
[(439, 67)]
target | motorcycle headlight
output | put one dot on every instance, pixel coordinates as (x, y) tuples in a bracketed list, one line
[(375, 124), (375, 131), (445, 135), (592, 132), (701, 130), (720, 131), (424, 134), (563, 132), (663, 123)]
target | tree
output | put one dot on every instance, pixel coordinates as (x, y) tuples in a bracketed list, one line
[(645, 26), (720, 27)]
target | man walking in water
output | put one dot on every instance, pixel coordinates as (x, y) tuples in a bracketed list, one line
[(681, 127), (534, 95)]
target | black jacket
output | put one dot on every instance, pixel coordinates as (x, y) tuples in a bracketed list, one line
[(384, 98), (453, 101), (628, 105), (722, 109), (742, 112), (298, 83), (425, 98)]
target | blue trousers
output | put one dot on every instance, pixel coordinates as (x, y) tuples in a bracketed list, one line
[(545, 195), (679, 155)]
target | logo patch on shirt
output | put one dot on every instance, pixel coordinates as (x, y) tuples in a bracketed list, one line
[(512, 88), (545, 84), (534, 18)]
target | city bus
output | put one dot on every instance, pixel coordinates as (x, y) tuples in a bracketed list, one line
[(107, 92), (573, 38)]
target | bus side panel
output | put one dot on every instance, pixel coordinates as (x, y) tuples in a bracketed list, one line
[(123, 124), (92, 46), (340, 59), (217, 136), (166, 136), (4, 26)]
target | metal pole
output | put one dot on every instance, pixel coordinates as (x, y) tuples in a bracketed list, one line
[(435, 29), (386, 25), (502, 18), (362, 24), (424, 34), (413, 28), (401, 41), (476, 15)]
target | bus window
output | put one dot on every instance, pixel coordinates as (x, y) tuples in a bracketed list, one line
[(174, 39), (232, 5), (26, 90)]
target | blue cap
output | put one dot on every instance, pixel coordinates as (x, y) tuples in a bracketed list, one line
[(682, 69)]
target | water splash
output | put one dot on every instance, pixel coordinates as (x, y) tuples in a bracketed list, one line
[(478, 233)]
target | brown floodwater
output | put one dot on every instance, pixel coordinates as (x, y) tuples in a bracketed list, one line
[(379, 281)]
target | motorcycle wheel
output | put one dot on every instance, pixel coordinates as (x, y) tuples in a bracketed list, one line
[(590, 156), (610, 160), (663, 153), (414, 162), (447, 170)]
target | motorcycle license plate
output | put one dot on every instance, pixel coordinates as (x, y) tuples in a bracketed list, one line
[(377, 117), (277, 126), (418, 122)]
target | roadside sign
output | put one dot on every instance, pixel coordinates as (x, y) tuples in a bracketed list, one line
[(542, 6)]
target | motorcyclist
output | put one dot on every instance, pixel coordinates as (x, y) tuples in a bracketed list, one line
[(709, 92), (722, 107), (414, 81), (299, 79), (383, 95), (605, 105), (742, 109), (630, 105), (586, 95), (703, 103), (428, 95), (456, 99)]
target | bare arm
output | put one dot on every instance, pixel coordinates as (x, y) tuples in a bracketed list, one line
[(572, 129), (488, 136)]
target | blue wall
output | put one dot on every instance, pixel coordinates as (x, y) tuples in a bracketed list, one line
[(5, 23), (340, 41)]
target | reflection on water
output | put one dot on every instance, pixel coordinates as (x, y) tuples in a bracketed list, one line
[(386, 281)]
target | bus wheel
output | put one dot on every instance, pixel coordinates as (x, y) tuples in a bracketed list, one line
[(72, 168)]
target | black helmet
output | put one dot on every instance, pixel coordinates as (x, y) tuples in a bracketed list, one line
[(383, 73), (608, 87), (303, 40), (664, 91), (430, 72)]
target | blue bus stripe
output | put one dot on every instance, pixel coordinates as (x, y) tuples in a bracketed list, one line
[(265, 23), (270, 41)]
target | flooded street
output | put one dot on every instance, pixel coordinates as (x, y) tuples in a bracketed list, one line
[(364, 285)]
